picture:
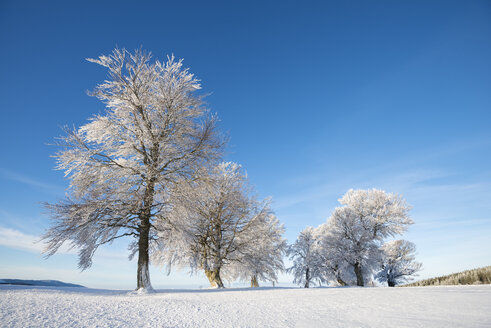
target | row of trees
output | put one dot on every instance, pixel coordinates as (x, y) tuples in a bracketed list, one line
[(149, 168), (349, 248)]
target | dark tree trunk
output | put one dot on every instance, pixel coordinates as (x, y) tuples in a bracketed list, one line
[(359, 275), (307, 278), (336, 271), (254, 282), (341, 282), (214, 278), (391, 283), (143, 275)]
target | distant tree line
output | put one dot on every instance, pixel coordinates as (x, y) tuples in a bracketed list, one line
[(469, 277)]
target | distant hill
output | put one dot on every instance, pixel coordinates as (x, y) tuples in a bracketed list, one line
[(469, 277), (50, 283)]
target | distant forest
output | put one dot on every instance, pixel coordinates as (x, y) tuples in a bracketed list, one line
[(468, 277)]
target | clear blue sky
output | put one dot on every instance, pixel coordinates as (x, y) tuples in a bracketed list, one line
[(318, 97)]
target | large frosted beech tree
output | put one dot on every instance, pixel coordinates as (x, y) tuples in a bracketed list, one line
[(218, 223), (125, 162), (358, 229)]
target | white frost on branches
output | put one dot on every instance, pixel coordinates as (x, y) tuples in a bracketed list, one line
[(308, 264), (360, 226), (347, 248), (398, 262), (124, 163), (221, 229), (262, 257)]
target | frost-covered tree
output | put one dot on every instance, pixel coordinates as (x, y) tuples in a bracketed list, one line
[(123, 164), (262, 259), (359, 227), (333, 265), (219, 225), (398, 262), (308, 263), (350, 243)]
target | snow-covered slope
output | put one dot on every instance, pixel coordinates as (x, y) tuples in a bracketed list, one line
[(444, 306)]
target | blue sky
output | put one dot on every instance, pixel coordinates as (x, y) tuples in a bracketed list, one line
[(317, 97)]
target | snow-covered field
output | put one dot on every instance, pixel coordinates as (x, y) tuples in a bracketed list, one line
[(450, 306)]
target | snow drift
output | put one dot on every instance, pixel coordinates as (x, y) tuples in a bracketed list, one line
[(449, 306)]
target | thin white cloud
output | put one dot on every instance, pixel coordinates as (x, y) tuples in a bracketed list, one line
[(31, 243), (335, 189), (19, 240), (14, 176), (394, 176)]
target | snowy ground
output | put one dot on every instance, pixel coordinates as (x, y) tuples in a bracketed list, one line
[(451, 306)]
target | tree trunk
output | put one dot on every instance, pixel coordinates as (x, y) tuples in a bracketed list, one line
[(391, 283), (254, 282), (307, 278), (337, 273), (143, 275), (214, 278), (359, 275), (341, 281)]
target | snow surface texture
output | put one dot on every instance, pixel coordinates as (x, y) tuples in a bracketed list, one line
[(442, 306)]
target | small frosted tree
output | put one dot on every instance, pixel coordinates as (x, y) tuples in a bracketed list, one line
[(124, 163), (359, 227), (219, 224), (398, 262), (308, 264), (262, 257)]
